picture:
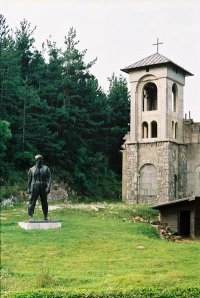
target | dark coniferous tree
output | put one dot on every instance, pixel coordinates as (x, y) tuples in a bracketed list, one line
[(56, 107), (119, 106)]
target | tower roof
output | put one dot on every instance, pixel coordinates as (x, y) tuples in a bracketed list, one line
[(155, 59)]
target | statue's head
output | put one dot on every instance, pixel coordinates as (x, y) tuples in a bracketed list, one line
[(39, 159)]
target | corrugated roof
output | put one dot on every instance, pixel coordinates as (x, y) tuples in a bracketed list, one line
[(154, 59)]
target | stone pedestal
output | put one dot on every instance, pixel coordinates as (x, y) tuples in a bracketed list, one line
[(40, 225)]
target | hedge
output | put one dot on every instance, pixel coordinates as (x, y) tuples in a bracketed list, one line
[(179, 292)]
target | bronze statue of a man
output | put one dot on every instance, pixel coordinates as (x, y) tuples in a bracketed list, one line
[(39, 182)]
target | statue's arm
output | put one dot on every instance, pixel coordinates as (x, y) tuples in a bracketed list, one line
[(48, 180), (29, 180)]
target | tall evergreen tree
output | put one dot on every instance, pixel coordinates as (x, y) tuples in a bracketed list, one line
[(119, 105), (9, 71), (24, 43), (55, 106)]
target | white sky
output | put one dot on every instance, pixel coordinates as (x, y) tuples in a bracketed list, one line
[(120, 32)]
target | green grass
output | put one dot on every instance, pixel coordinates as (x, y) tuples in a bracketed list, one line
[(94, 251)]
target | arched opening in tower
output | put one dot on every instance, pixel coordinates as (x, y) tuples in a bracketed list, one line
[(150, 97), (145, 130), (154, 129), (174, 97)]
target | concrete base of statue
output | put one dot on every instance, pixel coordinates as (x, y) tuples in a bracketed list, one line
[(40, 225)]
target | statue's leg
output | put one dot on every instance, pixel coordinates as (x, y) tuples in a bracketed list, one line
[(31, 205), (44, 203)]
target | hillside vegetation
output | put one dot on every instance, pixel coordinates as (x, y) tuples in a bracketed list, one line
[(52, 104), (94, 251)]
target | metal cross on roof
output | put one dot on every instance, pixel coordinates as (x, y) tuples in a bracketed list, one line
[(157, 44)]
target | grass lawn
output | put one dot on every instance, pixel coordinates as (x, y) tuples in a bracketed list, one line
[(98, 251)]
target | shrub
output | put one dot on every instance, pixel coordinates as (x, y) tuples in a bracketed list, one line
[(147, 212), (181, 292), (44, 280)]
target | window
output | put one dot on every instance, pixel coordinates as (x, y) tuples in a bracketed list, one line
[(173, 129), (154, 129), (176, 130), (174, 97), (175, 186), (150, 97), (148, 180), (145, 130)]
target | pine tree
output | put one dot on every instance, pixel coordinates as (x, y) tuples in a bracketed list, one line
[(119, 106), (56, 107)]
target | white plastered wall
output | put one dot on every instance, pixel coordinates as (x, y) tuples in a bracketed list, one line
[(164, 77)]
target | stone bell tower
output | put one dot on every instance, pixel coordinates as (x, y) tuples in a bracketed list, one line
[(154, 153)]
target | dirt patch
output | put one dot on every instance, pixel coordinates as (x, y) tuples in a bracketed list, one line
[(96, 207)]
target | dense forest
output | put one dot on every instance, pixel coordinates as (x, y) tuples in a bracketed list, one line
[(52, 104)]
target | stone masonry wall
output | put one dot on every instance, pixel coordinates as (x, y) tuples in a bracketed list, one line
[(182, 172), (170, 161), (173, 171), (132, 173), (155, 153)]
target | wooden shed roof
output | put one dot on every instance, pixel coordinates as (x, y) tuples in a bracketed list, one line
[(176, 202)]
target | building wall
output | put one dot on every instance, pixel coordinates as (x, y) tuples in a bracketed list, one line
[(192, 139), (182, 172), (191, 132), (193, 169), (176, 157), (170, 215), (168, 158), (163, 77)]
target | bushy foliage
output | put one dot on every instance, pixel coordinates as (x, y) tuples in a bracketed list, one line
[(5, 135), (181, 292)]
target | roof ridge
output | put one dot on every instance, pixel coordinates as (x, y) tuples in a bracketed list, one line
[(153, 59), (147, 59)]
